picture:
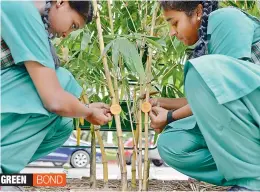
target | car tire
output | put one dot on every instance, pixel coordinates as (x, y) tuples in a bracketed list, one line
[(129, 161), (79, 159), (157, 162), (58, 164)]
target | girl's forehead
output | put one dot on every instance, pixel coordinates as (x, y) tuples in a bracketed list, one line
[(173, 15)]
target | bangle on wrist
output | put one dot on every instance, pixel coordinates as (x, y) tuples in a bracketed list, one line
[(170, 119)]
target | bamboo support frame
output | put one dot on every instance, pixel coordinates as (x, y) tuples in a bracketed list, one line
[(134, 156), (104, 157), (102, 148), (148, 84), (110, 17), (93, 178), (140, 159), (113, 97), (92, 171), (78, 136)]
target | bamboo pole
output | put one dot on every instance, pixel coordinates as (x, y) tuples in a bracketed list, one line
[(102, 148), (112, 32), (92, 171), (112, 94), (110, 16), (93, 179), (134, 154), (133, 165), (104, 157), (134, 157), (140, 159), (78, 136), (148, 84)]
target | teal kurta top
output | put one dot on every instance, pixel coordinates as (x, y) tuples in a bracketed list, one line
[(25, 35), (226, 69), (231, 35)]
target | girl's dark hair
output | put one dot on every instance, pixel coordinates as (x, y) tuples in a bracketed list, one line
[(84, 8), (189, 7)]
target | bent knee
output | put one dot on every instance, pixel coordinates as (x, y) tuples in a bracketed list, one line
[(175, 147), (66, 125)]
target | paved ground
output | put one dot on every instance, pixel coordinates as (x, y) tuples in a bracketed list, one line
[(160, 173)]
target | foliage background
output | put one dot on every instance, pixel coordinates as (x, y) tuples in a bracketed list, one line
[(127, 50)]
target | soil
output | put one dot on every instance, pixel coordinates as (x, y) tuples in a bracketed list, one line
[(114, 185)]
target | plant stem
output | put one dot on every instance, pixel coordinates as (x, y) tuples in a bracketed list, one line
[(102, 148), (112, 94), (146, 126), (110, 16), (104, 157), (93, 179)]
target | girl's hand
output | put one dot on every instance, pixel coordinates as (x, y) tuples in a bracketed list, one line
[(154, 102), (158, 116), (99, 105), (99, 116)]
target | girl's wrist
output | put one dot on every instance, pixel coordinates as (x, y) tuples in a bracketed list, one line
[(88, 111)]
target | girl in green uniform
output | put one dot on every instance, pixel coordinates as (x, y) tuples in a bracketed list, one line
[(39, 98), (214, 134)]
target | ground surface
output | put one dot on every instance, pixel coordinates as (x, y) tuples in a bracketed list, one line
[(114, 185), (161, 179)]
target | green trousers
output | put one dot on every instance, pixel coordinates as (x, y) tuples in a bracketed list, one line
[(223, 148), (27, 137)]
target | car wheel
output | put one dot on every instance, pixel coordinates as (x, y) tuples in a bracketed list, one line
[(129, 161), (157, 162), (79, 159), (58, 164)]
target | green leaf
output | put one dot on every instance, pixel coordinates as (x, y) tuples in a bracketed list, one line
[(122, 91), (155, 138), (168, 75), (154, 43), (110, 124), (77, 122), (85, 41), (105, 50), (115, 56), (130, 55), (75, 34), (155, 5)]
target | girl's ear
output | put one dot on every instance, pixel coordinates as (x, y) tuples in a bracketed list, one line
[(59, 3), (199, 11)]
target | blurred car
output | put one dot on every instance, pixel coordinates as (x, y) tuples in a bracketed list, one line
[(153, 153), (155, 157), (76, 156)]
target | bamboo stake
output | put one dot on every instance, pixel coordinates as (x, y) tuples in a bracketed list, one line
[(134, 147), (115, 78), (78, 136), (93, 179), (112, 32), (102, 148), (92, 171), (140, 177), (148, 84), (110, 16), (112, 94), (134, 156), (104, 157)]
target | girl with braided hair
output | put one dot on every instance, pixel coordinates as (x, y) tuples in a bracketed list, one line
[(213, 134), (39, 98)]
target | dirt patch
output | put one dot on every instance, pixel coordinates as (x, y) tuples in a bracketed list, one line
[(114, 185)]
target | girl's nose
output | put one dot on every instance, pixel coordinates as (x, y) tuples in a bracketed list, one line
[(173, 32)]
